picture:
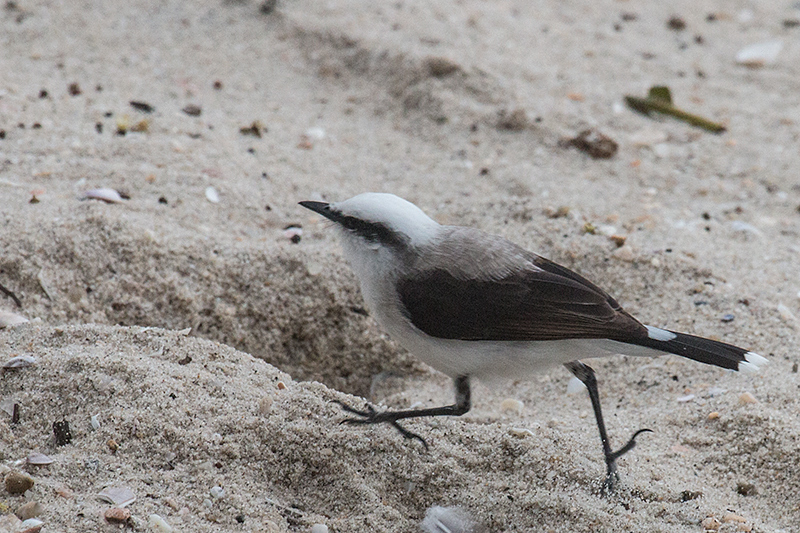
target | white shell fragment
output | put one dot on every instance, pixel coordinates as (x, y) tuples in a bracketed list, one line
[(20, 361), (521, 433), (217, 492), (39, 459), (512, 405), (319, 528), (95, 422), (212, 195), (447, 520), (686, 399), (8, 319), (159, 524), (105, 194), (119, 496), (29, 524), (759, 54)]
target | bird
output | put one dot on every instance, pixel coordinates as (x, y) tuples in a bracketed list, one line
[(477, 306)]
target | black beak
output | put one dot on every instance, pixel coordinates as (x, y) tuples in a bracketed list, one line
[(323, 208)]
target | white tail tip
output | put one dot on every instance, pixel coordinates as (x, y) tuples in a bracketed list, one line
[(752, 362)]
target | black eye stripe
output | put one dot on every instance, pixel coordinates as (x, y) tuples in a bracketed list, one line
[(372, 231)]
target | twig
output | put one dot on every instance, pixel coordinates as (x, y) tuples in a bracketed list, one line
[(10, 295), (659, 100)]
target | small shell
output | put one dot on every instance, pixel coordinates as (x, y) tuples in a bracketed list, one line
[(452, 519), (31, 525), (759, 54), (212, 195), (11, 319), (217, 492), (319, 528), (105, 194), (746, 398), (20, 361), (95, 422), (512, 405), (39, 459), (119, 496), (685, 399), (159, 524)]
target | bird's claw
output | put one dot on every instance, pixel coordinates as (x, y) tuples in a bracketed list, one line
[(371, 416)]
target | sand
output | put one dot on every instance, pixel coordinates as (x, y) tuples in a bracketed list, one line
[(210, 347)]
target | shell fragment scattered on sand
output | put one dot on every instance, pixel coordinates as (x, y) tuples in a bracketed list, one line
[(110, 196), (20, 361), (119, 496)]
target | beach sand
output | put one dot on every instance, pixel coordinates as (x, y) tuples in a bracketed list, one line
[(210, 344)]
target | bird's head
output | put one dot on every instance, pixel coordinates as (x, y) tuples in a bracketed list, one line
[(378, 220)]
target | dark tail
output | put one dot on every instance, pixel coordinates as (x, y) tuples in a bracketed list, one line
[(703, 350)]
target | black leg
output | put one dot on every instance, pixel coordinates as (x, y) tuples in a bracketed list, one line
[(586, 375), (371, 416)]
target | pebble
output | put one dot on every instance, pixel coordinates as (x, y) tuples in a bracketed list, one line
[(746, 489), (319, 528), (759, 54), (713, 415), (212, 195), (217, 492), (117, 514), (746, 398), (730, 517), (159, 524), (711, 524), (29, 510), (625, 253), (18, 482)]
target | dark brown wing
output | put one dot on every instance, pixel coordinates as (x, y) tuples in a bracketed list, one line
[(531, 305)]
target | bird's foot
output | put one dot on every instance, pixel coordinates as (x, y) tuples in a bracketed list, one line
[(371, 416), (612, 477)]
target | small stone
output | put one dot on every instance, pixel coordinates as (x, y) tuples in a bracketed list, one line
[(746, 489), (711, 524), (193, 110), (217, 492), (619, 240), (713, 415), (676, 23), (728, 317), (747, 398), (439, 67), (516, 120), (212, 195), (625, 253), (319, 528), (282, 385), (730, 517), (18, 482), (688, 495), (62, 433), (29, 510), (117, 515), (594, 143), (112, 445)]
